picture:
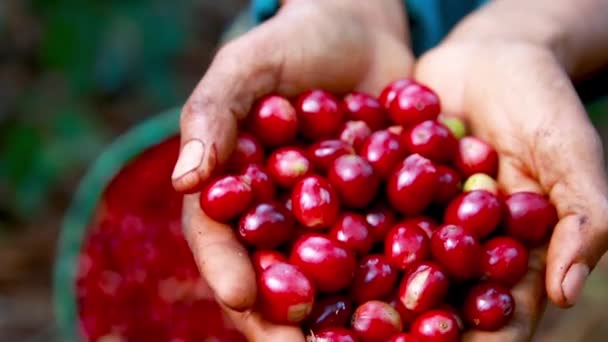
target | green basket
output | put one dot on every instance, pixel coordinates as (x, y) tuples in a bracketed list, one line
[(84, 203)]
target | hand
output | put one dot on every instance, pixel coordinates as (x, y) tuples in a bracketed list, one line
[(517, 96), (338, 45)]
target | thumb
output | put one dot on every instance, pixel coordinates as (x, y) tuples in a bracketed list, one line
[(581, 236), (567, 158), (208, 122)]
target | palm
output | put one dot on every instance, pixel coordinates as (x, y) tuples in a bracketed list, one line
[(520, 100)]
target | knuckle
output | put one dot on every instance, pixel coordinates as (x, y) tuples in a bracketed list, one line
[(202, 107), (228, 55), (235, 296), (197, 105), (236, 58)]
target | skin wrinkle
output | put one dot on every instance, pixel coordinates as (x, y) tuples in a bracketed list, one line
[(533, 160), (238, 109), (264, 77), (561, 264), (545, 159)]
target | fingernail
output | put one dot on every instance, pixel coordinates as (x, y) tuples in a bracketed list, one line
[(190, 158), (573, 283)]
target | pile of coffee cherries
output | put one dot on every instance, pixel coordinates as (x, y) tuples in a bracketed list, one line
[(367, 220), (375, 219), (136, 278)]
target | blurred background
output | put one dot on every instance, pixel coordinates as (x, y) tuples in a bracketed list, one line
[(76, 74)]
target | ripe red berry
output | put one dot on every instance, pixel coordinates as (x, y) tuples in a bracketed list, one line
[(354, 180), (334, 334), (457, 250), (436, 326), (315, 203), (376, 321), (529, 217), (504, 260), (412, 185), (489, 307), (330, 312), (476, 156), (374, 279), (389, 94), (274, 121), (261, 184), (423, 222), (384, 150), (288, 165), (361, 106), (424, 287), (413, 104), (432, 140), (262, 259), (328, 263), (405, 245), (226, 198), (319, 114), (477, 211), (286, 294), (266, 225), (352, 230), (449, 185), (457, 315), (354, 133), (323, 153), (248, 150), (380, 219)]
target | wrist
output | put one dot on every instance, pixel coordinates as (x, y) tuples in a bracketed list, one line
[(555, 26), (387, 15), (499, 23)]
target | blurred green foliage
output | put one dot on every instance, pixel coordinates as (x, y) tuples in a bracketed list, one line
[(79, 72), (102, 45)]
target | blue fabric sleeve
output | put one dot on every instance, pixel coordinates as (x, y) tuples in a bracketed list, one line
[(263, 9), (430, 20)]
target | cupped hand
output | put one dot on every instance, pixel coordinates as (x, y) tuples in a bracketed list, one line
[(337, 45), (517, 96)]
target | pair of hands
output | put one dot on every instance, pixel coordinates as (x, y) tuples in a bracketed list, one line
[(514, 93)]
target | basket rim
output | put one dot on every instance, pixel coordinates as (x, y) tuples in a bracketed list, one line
[(84, 202)]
